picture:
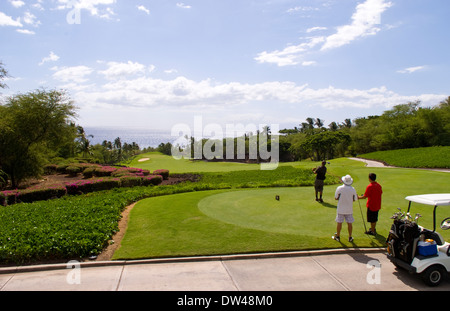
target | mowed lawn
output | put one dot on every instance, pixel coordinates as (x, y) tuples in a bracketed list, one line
[(155, 160), (252, 220)]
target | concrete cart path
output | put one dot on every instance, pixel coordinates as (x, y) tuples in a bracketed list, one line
[(307, 271)]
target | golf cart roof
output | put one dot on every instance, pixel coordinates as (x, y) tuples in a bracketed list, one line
[(438, 199)]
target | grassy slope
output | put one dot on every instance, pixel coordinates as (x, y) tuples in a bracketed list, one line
[(430, 157), (225, 221)]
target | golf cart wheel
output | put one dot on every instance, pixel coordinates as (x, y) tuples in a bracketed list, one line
[(434, 275)]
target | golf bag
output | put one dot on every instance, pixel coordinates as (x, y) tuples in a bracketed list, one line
[(402, 240)]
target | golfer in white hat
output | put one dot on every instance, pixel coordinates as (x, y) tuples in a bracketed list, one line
[(346, 195)]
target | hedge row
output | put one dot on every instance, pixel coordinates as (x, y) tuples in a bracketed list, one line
[(39, 193)]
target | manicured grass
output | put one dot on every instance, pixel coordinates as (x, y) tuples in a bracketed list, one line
[(161, 161), (430, 157), (240, 221)]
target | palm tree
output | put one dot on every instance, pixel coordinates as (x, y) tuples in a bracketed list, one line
[(333, 126), (311, 122), (84, 143), (118, 146), (319, 123)]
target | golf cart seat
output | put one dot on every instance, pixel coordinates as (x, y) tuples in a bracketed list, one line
[(433, 235)]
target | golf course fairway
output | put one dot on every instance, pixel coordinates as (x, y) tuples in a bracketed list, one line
[(233, 221)]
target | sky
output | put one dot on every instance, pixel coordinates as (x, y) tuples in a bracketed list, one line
[(157, 63)]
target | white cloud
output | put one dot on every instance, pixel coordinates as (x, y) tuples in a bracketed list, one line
[(411, 69), (365, 19), (184, 93), (17, 3), (169, 71), (6, 20), (364, 23), (120, 70), (308, 63), (291, 55), (52, 57), (143, 8), (31, 19), (75, 74), (302, 9), (26, 31), (315, 29), (183, 6)]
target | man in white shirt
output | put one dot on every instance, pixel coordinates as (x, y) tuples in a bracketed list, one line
[(346, 195)]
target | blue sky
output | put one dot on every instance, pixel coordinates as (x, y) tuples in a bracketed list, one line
[(153, 64)]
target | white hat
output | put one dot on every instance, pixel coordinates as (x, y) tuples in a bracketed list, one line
[(347, 180)]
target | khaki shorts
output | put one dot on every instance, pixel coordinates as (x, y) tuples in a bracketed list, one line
[(347, 217)]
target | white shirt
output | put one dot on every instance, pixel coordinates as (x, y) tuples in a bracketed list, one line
[(346, 195)]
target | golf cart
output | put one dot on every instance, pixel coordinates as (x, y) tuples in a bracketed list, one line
[(420, 250)]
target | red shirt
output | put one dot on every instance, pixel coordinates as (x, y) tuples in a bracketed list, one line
[(373, 194)]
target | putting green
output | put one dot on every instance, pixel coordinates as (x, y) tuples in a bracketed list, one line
[(293, 213)]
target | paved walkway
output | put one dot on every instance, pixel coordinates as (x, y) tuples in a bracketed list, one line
[(328, 270)]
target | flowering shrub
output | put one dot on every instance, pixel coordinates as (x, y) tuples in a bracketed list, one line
[(85, 186), (10, 196), (163, 173), (152, 180), (108, 177), (103, 171), (39, 194)]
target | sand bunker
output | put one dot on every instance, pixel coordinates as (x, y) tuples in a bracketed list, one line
[(143, 159)]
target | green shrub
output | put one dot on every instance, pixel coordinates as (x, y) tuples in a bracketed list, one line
[(163, 173), (2, 199), (152, 180), (88, 172), (130, 181), (73, 171), (39, 194), (61, 169), (50, 169), (103, 171)]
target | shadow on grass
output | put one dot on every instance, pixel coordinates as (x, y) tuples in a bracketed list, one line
[(329, 205)]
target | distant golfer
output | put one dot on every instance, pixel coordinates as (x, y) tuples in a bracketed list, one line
[(320, 177), (373, 194), (346, 195)]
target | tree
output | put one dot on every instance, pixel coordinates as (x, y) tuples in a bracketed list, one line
[(3, 75), (319, 123), (84, 142), (32, 127)]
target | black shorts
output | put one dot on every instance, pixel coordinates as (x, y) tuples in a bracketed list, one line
[(372, 216), (318, 185)]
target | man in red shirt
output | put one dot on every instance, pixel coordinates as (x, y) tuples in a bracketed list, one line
[(373, 194)]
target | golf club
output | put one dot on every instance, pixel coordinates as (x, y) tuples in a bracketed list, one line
[(362, 216)]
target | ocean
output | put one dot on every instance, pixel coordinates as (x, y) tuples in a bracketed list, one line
[(143, 137)]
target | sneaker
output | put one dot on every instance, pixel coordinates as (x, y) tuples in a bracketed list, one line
[(336, 237), (350, 239), (370, 232)]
